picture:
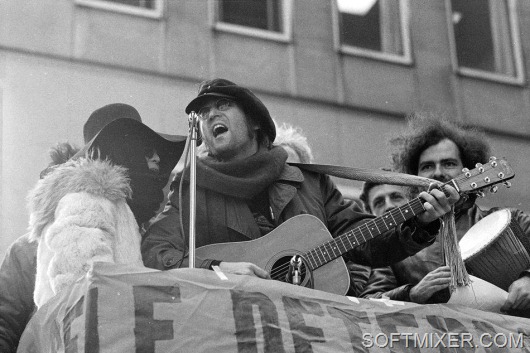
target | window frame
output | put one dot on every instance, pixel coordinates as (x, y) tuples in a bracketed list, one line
[(404, 59), (284, 36), (520, 75), (157, 12)]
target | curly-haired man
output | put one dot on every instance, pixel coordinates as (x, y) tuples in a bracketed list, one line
[(436, 148)]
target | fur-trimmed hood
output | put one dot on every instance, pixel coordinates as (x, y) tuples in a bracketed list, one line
[(97, 177)]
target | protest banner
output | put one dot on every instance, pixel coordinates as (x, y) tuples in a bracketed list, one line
[(121, 309)]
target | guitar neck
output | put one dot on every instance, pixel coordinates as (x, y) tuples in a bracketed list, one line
[(495, 171), (340, 245)]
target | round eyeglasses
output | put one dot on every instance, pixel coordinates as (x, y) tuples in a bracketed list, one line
[(221, 104)]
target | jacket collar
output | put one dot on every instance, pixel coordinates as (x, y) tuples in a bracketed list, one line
[(291, 174), (284, 189)]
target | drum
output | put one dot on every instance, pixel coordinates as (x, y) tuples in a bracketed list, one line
[(492, 249)]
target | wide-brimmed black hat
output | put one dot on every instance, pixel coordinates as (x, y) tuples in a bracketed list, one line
[(125, 132), (221, 88), (104, 115)]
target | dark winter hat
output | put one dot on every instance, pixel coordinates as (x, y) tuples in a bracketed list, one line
[(221, 88), (120, 141), (104, 115)]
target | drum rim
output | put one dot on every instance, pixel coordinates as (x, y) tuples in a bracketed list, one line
[(467, 254)]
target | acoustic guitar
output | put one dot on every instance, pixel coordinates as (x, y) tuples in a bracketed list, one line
[(305, 236)]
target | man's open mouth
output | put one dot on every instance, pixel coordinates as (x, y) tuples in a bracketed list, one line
[(219, 129)]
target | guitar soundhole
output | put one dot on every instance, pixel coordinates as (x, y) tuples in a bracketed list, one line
[(280, 272)]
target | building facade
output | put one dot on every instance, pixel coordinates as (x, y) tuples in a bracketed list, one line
[(346, 72)]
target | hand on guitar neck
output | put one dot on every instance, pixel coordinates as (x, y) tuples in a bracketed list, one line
[(437, 203)]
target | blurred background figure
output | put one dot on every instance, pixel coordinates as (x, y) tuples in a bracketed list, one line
[(379, 198), (376, 199), (293, 140), (391, 282)]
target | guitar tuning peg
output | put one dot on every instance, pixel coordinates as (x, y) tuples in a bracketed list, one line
[(465, 170), (494, 189), (493, 158), (478, 165), (508, 184), (480, 194)]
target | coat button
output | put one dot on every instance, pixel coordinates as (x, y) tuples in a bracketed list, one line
[(170, 262)]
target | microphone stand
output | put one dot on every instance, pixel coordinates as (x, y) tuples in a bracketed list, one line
[(193, 185)]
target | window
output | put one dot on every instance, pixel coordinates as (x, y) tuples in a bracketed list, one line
[(485, 39), (262, 18), (373, 28), (148, 8)]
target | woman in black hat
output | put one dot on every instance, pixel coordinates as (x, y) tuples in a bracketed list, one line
[(91, 208), (148, 156)]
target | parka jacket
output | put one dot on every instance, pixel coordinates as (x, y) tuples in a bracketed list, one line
[(396, 281), (220, 218), (79, 215)]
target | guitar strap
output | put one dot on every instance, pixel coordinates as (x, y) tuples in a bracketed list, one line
[(375, 176)]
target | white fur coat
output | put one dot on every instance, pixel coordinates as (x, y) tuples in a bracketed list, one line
[(79, 215)]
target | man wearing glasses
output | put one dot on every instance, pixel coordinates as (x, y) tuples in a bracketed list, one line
[(245, 189)]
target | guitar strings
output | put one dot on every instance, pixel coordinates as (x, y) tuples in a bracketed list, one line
[(328, 248), (281, 272)]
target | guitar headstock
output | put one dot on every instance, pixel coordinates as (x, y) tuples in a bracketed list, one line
[(483, 175)]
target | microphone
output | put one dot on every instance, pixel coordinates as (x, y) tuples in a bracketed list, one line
[(193, 120)]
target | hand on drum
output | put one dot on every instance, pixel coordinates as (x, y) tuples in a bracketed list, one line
[(518, 295), (437, 204), (433, 282), (243, 268)]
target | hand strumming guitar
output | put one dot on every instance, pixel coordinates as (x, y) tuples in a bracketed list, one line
[(244, 268)]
